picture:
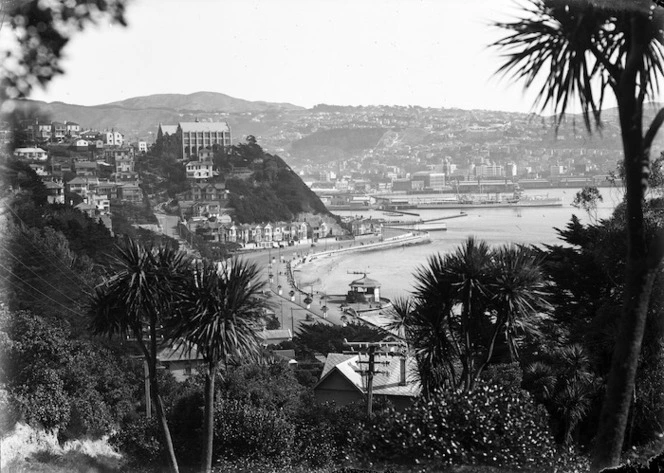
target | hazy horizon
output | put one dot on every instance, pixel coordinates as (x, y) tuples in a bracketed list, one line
[(393, 53)]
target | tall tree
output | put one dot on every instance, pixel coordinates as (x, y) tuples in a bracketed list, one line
[(136, 301), (217, 316), (464, 305), (583, 49)]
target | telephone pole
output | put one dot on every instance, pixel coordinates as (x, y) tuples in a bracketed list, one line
[(372, 350)]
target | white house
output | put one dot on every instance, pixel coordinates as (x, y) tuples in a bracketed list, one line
[(34, 154), (113, 138), (199, 170)]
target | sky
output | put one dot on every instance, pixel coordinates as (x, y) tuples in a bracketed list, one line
[(431, 53)]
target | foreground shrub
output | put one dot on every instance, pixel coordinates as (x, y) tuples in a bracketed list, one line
[(491, 425), (325, 433), (139, 441), (245, 431)]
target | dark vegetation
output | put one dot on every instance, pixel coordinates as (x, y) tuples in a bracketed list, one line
[(549, 394), (56, 375)]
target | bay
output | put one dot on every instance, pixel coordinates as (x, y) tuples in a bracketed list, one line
[(395, 268)]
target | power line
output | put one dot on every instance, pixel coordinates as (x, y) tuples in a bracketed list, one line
[(64, 264), (37, 290), (40, 277)]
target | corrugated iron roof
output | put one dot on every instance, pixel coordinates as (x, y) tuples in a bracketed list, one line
[(387, 384)]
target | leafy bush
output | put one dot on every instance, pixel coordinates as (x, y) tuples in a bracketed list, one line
[(58, 382), (140, 442), (490, 425), (325, 433), (244, 431)]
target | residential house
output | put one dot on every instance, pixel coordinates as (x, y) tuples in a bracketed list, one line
[(41, 169), (81, 144), (101, 203), (31, 154), (268, 232), (89, 209), (274, 337), (211, 209), (298, 231), (142, 146), (58, 131), (342, 381), (257, 234), (366, 226), (42, 131), (55, 192), (72, 129), (85, 168), (115, 155), (320, 231), (78, 185), (124, 162), (107, 189), (199, 170), (180, 361), (130, 193), (113, 138), (200, 191)]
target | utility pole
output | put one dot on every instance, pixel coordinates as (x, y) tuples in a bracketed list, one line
[(372, 350)]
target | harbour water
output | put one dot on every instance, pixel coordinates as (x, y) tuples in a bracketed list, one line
[(394, 268)]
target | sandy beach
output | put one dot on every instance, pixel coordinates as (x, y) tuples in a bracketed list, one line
[(312, 275)]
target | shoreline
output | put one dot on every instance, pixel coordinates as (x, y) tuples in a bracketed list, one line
[(311, 270)]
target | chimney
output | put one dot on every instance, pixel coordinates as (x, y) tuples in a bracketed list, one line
[(402, 371)]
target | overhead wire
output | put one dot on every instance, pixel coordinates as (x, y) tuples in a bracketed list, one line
[(64, 263), (40, 292), (58, 290)]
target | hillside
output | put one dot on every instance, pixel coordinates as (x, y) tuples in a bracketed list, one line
[(337, 142), (199, 102), (139, 117)]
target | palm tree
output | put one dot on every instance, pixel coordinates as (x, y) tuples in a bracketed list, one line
[(583, 49), (517, 297), (217, 316), (461, 304), (565, 383), (135, 301), (468, 269), (425, 324)]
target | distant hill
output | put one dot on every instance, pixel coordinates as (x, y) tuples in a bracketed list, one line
[(137, 117), (199, 102)]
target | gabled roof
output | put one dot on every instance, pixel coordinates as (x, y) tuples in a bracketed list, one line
[(178, 353), (274, 334), (386, 384), (52, 185), (78, 180), (203, 126), (168, 129)]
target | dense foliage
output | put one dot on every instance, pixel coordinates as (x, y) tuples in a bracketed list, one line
[(490, 425), (60, 382), (323, 338), (567, 371), (273, 192)]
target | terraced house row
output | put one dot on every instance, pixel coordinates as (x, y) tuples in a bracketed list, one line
[(258, 235)]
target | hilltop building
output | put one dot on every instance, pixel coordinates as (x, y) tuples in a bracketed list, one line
[(194, 137)]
